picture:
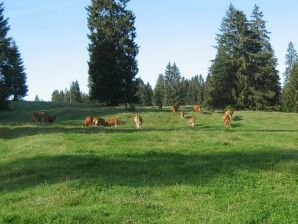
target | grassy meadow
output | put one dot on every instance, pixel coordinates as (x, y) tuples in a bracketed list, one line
[(167, 172)]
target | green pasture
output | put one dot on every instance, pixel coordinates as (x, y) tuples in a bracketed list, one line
[(166, 172)]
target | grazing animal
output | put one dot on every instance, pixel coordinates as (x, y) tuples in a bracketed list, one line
[(113, 122), (138, 121), (49, 119), (98, 121), (37, 116), (227, 120), (88, 121), (197, 108), (229, 112), (191, 120), (175, 108), (182, 115)]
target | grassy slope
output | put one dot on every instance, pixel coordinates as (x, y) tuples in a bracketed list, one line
[(167, 172)]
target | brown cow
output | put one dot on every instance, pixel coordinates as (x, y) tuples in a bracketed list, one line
[(37, 116), (191, 120), (182, 115), (138, 121), (49, 119), (230, 111), (197, 108), (175, 108), (88, 121), (227, 119), (113, 121), (98, 121)]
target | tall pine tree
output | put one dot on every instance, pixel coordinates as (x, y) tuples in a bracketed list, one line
[(195, 91), (144, 93), (4, 65), (291, 58), (243, 73), (12, 72), (173, 85), (159, 91), (290, 93), (17, 73), (75, 92), (265, 79), (113, 51)]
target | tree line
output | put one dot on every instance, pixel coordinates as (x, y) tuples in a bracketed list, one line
[(71, 95), (172, 88), (290, 89), (243, 74), (12, 71)]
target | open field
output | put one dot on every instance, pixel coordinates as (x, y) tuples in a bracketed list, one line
[(167, 172)]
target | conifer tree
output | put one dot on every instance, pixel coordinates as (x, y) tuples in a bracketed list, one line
[(144, 93), (12, 72), (159, 91), (113, 51), (291, 58), (195, 90), (290, 93), (243, 72), (265, 80), (37, 99), (75, 92), (173, 85), (4, 46), (17, 73), (55, 96)]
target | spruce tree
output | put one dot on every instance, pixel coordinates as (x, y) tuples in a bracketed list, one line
[(222, 78), (113, 51), (17, 73), (173, 85), (144, 93), (75, 92), (195, 91), (243, 73), (12, 72), (290, 93), (159, 91), (291, 58), (55, 96), (4, 49), (265, 80), (36, 99)]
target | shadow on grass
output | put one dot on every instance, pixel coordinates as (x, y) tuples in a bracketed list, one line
[(11, 133), (149, 169), (237, 118)]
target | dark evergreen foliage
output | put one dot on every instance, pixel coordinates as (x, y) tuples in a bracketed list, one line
[(290, 93), (195, 90), (144, 93), (291, 58), (12, 72), (173, 85), (113, 51), (243, 73), (75, 92), (159, 91), (74, 95)]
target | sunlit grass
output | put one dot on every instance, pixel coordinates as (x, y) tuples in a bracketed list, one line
[(167, 172)]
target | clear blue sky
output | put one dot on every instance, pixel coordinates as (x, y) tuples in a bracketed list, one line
[(52, 36)]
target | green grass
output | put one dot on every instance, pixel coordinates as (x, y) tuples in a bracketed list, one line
[(167, 172)]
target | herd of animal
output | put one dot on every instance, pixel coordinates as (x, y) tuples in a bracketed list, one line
[(138, 120), (39, 116)]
